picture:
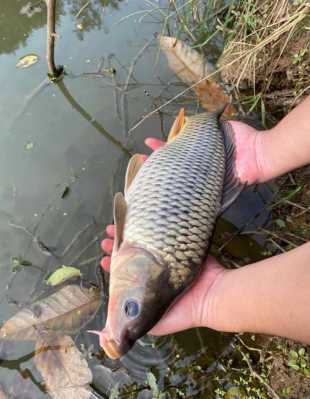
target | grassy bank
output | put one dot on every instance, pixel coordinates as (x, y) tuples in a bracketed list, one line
[(261, 47)]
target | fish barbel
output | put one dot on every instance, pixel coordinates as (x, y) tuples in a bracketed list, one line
[(164, 224)]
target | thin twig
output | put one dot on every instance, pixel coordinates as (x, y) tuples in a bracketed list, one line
[(295, 205), (302, 212), (275, 235), (276, 245)]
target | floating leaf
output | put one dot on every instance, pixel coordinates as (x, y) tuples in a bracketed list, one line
[(190, 66), (65, 310), (18, 263), (65, 192), (65, 372), (27, 61), (29, 146), (62, 274)]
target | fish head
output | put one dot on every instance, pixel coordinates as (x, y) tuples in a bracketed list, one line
[(139, 295)]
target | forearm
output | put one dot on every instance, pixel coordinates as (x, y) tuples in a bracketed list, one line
[(271, 296), (287, 145)]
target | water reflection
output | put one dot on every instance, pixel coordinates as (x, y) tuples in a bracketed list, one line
[(16, 28), (18, 19)]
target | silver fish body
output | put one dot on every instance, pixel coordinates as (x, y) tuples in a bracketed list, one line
[(164, 224), (176, 196)]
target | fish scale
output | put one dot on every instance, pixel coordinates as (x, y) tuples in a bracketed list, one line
[(176, 196)]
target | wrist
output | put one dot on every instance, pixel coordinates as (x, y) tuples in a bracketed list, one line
[(250, 152), (230, 304), (264, 152), (217, 307)]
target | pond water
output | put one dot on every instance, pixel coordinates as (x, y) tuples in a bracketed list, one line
[(64, 149)]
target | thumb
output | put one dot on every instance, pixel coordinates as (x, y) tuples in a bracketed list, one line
[(191, 309)]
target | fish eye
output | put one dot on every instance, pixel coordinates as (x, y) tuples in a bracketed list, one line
[(131, 308)]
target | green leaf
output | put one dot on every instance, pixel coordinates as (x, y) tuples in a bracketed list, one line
[(307, 372), (280, 223), (62, 274), (301, 352), (293, 354), (29, 146), (236, 392), (303, 363), (151, 380), (293, 366), (27, 61)]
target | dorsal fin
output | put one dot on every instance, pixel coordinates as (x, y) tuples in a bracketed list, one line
[(232, 185), (134, 165), (120, 209), (177, 125)]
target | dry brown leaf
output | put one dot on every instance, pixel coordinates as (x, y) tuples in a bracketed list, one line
[(65, 310), (65, 372), (186, 63), (190, 66)]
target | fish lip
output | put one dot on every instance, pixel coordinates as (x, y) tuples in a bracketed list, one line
[(111, 348), (115, 348)]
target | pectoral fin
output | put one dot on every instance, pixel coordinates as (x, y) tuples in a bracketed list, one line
[(232, 185), (120, 209), (177, 125)]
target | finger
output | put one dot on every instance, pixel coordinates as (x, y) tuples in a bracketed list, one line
[(175, 320), (105, 263), (110, 230), (153, 143), (107, 245)]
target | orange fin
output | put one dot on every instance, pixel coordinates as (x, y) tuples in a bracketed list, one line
[(134, 165), (177, 125)]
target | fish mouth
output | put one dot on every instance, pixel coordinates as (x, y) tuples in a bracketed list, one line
[(111, 348)]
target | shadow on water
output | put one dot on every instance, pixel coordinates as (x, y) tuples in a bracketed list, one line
[(58, 176)]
